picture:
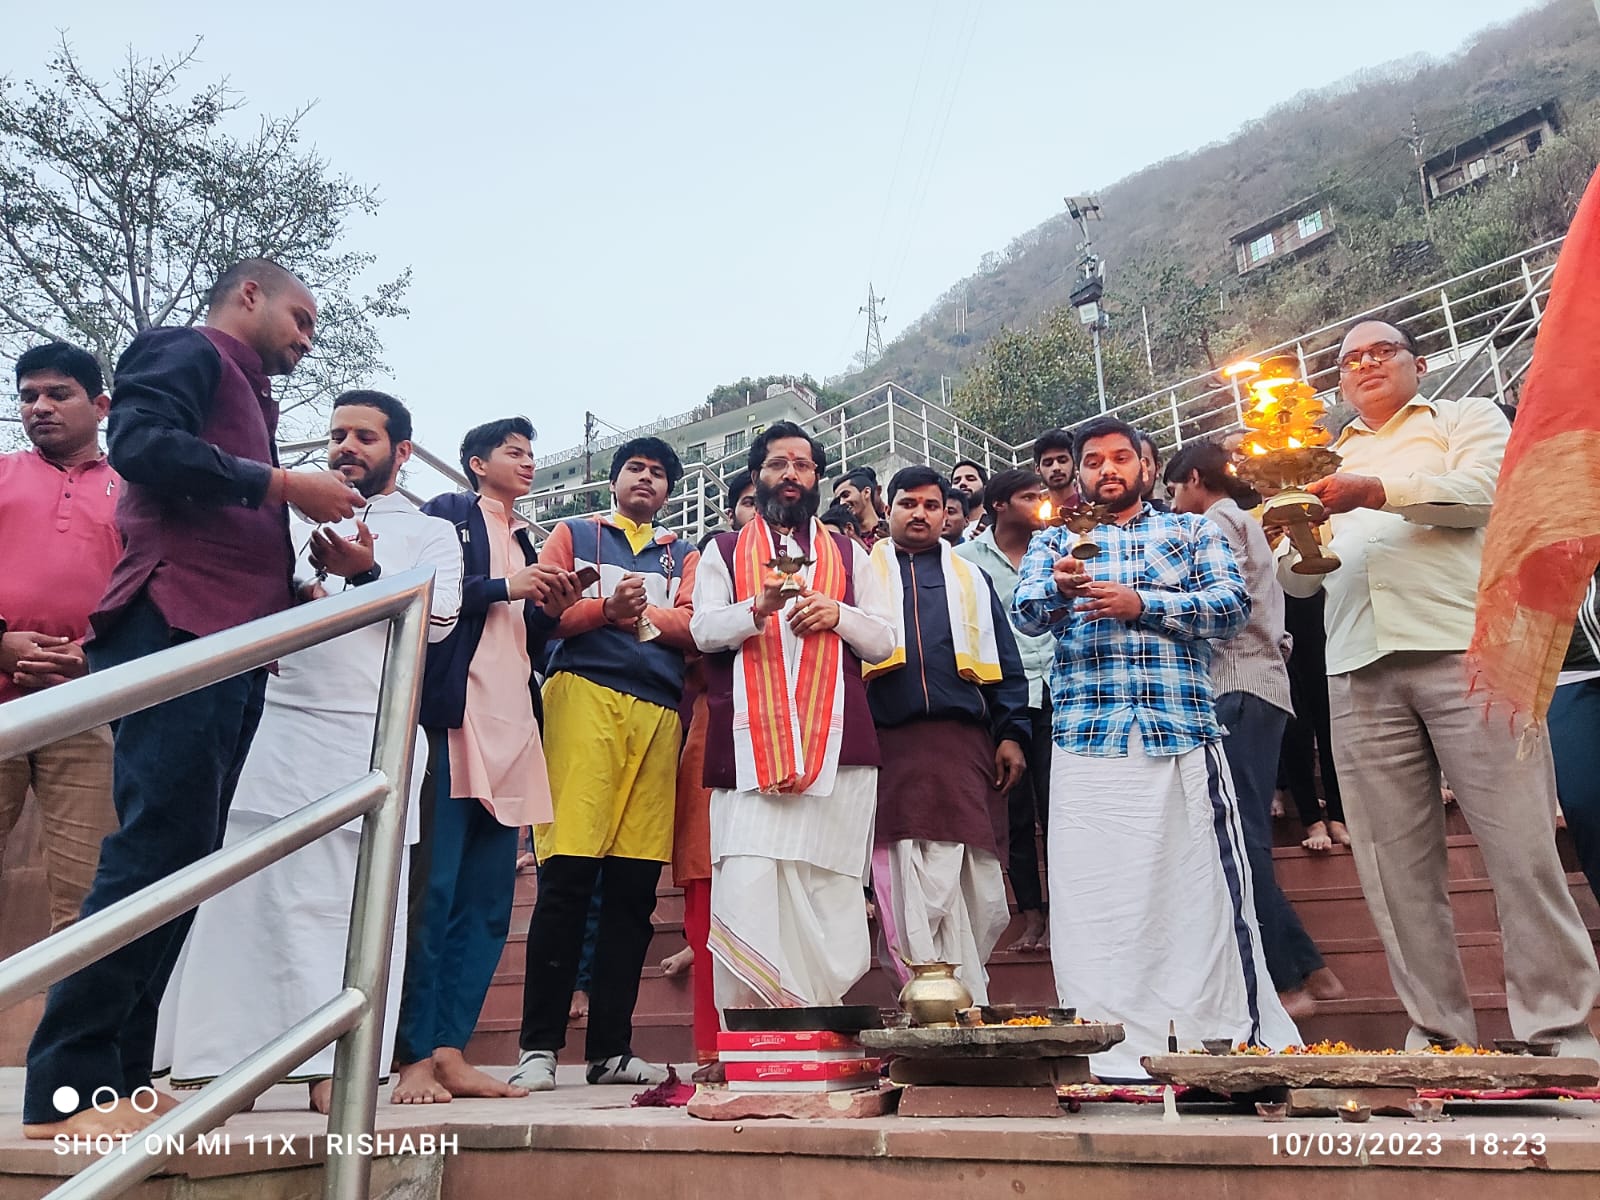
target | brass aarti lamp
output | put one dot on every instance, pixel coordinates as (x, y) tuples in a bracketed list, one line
[(1081, 519), (1284, 448), (789, 566)]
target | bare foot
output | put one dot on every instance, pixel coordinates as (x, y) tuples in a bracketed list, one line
[(527, 862), (676, 964), (1297, 1003), (1278, 807), (1323, 984), (461, 1078), (1317, 837), (419, 1085), (580, 1006), (322, 1096), (165, 1102), (1447, 796), (1337, 831), (121, 1118), (1033, 929), (1041, 944), (1561, 819), (712, 1072)]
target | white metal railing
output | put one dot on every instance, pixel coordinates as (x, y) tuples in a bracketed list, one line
[(354, 1016), (1485, 317)]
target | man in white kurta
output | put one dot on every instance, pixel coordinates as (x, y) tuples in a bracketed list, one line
[(791, 755), (269, 950)]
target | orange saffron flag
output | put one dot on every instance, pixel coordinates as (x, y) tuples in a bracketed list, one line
[(1543, 539)]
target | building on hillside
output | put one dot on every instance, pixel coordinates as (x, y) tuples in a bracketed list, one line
[(1502, 148), (1285, 234), (697, 436)]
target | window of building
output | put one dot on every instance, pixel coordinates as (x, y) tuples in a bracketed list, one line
[(1311, 224), (697, 452), (734, 442), (1262, 247)]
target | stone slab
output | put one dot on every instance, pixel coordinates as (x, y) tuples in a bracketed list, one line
[(1230, 1073), (997, 1041), (1325, 1102), (990, 1072), (719, 1104), (979, 1102)]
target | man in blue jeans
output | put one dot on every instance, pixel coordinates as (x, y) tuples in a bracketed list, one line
[(205, 547)]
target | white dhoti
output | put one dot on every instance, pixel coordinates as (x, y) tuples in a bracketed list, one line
[(1152, 919), (788, 915), (940, 902), (270, 950)]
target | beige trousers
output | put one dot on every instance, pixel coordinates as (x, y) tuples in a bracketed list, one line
[(1396, 724), (71, 781)]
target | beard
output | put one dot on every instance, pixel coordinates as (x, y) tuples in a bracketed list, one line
[(774, 511), (375, 479), (1128, 498)]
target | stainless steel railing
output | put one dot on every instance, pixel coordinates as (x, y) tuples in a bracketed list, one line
[(354, 1016)]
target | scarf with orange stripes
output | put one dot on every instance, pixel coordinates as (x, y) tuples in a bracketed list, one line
[(788, 692)]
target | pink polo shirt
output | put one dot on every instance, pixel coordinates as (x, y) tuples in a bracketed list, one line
[(58, 544)]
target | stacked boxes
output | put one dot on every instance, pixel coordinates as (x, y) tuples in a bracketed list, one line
[(797, 1061)]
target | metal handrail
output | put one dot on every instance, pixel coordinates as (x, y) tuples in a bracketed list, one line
[(354, 1015)]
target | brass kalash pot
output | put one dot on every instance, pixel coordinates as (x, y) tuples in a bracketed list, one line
[(1284, 448), (933, 994)]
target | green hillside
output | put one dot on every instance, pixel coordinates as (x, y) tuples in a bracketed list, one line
[(1165, 230)]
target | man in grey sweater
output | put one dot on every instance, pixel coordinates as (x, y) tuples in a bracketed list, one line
[(1251, 681)]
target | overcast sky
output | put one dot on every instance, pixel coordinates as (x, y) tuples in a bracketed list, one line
[(619, 207)]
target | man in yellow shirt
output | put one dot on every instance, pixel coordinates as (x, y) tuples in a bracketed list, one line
[(1407, 512)]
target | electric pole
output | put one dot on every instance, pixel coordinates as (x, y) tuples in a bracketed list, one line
[(588, 446), (1415, 142), (874, 310)]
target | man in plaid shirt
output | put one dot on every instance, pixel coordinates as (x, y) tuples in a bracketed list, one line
[(1151, 912)]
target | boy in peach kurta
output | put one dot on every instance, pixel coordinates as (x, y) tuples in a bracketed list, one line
[(480, 705)]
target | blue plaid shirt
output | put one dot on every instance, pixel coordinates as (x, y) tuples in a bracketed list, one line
[(1154, 670)]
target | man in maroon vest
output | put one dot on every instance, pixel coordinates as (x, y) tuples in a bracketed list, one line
[(205, 547), (791, 753)]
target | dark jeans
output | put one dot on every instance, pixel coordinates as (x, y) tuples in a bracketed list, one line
[(1029, 804), (460, 934), (1575, 741), (555, 944), (174, 770), (591, 934), (1308, 738), (1253, 730)]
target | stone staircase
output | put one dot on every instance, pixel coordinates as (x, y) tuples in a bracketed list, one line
[(1322, 887)]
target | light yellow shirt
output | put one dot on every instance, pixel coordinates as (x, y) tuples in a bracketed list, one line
[(1409, 579)]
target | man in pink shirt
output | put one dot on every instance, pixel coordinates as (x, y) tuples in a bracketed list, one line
[(57, 513)]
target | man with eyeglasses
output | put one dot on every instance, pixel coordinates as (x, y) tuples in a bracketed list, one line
[(1407, 513), (791, 754)]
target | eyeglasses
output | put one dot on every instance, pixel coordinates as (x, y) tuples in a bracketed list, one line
[(802, 466), (1378, 352)]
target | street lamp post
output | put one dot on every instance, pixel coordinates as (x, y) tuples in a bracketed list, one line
[(1086, 295)]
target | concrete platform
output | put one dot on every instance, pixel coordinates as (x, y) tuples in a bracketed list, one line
[(586, 1142)]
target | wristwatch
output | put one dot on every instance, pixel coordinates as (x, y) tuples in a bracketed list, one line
[(370, 575)]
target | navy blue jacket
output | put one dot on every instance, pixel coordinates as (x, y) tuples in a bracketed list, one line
[(444, 677), (928, 686)]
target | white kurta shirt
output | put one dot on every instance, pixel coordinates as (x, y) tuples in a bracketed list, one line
[(322, 705)]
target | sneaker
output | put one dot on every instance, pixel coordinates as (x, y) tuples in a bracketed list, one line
[(536, 1071), (624, 1068)]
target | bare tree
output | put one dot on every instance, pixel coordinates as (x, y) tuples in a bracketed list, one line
[(121, 201)]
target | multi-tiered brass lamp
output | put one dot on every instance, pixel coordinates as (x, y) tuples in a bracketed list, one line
[(1284, 448)]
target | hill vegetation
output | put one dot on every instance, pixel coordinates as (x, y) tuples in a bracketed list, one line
[(1165, 230)]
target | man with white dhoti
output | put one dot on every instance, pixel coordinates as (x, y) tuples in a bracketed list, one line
[(791, 754), (1152, 916), (269, 950), (951, 706)]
